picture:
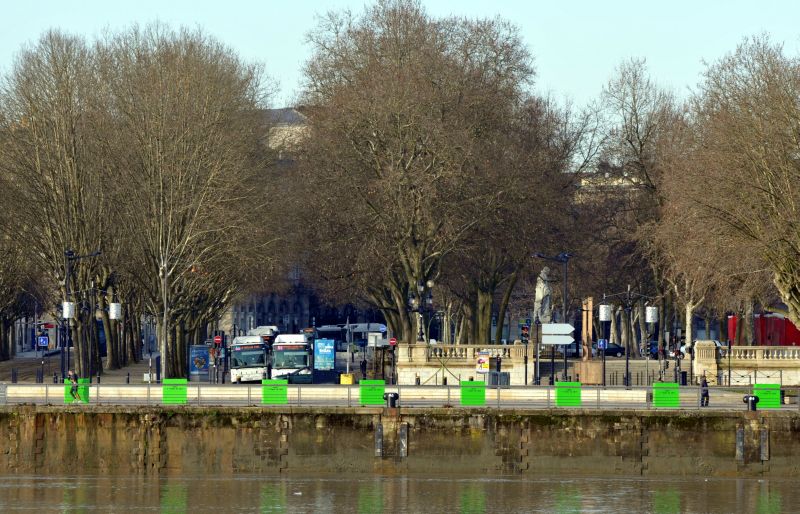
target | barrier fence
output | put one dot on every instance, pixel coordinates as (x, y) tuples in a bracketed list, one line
[(468, 394)]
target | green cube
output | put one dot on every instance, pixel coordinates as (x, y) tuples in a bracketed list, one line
[(371, 392), (666, 394), (83, 391), (274, 392), (473, 393), (173, 391), (769, 395), (568, 394)]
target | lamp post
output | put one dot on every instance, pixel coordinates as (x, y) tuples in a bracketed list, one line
[(651, 318), (563, 258), (627, 298), (604, 311), (419, 304), (537, 376), (68, 309), (525, 336)]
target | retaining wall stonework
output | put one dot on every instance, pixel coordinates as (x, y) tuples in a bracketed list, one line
[(397, 441)]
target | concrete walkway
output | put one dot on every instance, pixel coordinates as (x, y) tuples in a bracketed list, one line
[(27, 364)]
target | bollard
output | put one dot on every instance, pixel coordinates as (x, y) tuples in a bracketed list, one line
[(416, 379), (13, 375), (444, 381), (128, 378), (98, 377), (55, 378), (751, 401), (391, 399)]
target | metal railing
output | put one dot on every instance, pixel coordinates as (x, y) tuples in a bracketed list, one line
[(317, 395)]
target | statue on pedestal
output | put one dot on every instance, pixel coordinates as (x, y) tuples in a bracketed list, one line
[(542, 305)]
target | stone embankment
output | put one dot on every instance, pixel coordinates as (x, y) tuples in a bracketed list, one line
[(94, 440)]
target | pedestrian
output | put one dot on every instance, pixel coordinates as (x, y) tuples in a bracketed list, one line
[(364, 368), (704, 392), (73, 390)]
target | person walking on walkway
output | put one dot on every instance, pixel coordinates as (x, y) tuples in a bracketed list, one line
[(704, 392), (73, 390)]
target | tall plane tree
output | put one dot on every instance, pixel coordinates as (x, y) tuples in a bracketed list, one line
[(400, 108)]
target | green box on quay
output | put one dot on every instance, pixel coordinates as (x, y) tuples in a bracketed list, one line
[(83, 391), (769, 395), (274, 392), (473, 393), (568, 394), (371, 392), (666, 394), (174, 391)]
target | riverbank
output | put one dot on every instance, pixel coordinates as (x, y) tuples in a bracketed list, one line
[(228, 441)]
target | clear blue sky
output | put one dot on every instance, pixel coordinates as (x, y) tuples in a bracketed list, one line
[(576, 44)]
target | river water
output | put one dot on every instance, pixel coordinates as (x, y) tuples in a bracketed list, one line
[(394, 494)]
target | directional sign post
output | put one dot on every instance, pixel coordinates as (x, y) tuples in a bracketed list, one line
[(557, 334)]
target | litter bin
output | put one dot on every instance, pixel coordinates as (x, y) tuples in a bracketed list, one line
[(751, 401), (684, 377), (391, 399)]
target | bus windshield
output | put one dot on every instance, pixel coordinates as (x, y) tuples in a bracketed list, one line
[(248, 359), (295, 359)]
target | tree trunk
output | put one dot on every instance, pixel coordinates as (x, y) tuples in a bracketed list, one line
[(614, 336), (512, 282), (689, 310), (481, 318), (112, 347)]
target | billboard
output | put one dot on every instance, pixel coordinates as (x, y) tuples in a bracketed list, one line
[(198, 359), (324, 354)]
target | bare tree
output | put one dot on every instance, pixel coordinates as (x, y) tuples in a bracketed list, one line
[(401, 108), (185, 151), (48, 110), (749, 119)]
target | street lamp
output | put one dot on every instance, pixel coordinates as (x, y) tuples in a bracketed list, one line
[(538, 376), (68, 308), (627, 298), (420, 303), (563, 258), (604, 311), (651, 318)]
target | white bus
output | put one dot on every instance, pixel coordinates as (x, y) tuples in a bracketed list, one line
[(249, 359), (291, 354)]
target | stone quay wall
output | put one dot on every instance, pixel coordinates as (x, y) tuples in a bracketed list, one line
[(51, 440)]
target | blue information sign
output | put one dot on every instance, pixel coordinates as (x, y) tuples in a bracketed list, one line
[(602, 344), (43, 341), (324, 354)]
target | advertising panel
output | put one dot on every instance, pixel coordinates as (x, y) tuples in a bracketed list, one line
[(198, 359), (482, 365), (324, 354)]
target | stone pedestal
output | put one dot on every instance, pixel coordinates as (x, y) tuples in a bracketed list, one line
[(590, 372)]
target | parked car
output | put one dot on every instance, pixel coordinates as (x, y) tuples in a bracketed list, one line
[(611, 350), (723, 347), (572, 353)]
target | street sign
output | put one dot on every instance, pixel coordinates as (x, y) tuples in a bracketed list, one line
[(393, 341), (556, 339), (217, 339), (602, 344), (557, 328), (43, 341)]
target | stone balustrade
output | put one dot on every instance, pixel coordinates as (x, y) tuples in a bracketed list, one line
[(466, 353), (746, 360)]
